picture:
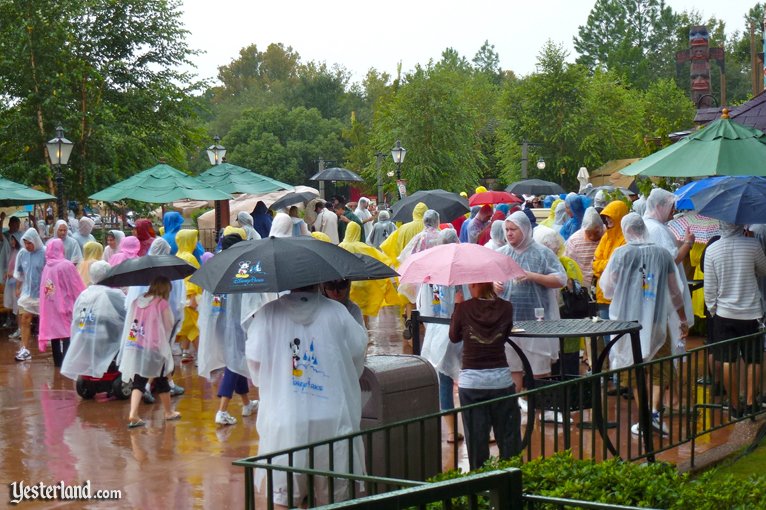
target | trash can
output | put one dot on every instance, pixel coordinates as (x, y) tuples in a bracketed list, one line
[(396, 388)]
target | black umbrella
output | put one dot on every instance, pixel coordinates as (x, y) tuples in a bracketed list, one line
[(448, 205), (373, 269), (292, 198), (276, 264), (535, 187), (336, 174), (142, 270)]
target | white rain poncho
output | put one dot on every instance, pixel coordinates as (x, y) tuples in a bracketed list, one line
[(591, 220), (307, 369), (246, 222), (526, 296), (642, 281), (221, 335), (560, 216), (72, 250), (83, 234), (29, 270), (146, 339), (497, 235), (658, 209), (427, 238), (97, 324), (363, 214)]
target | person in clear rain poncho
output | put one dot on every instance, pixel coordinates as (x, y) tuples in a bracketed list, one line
[(381, 230), (99, 316), (659, 210), (642, 281), (538, 289), (72, 250), (84, 229), (113, 240), (496, 235), (246, 222)]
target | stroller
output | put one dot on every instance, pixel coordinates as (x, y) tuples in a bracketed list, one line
[(110, 383)]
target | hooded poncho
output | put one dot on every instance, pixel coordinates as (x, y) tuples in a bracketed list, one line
[(118, 236), (575, 204), (364, 214), (427, 238), (146, 337), (91, 252), (396, 242), (381, 230), (186, 241), (369, 295), (72, 251), (526, 296), (610, 241), (282, 226), (29, 269), (467, 223), (642, 282), (129, 248), (84, 229), (60, 285), (11, 252), (261, 219), (581, 249), (145, 234), (172, 222), (497, 235), (95, 335), (551, 219), (308, 374), (246, 221), (486, 234)]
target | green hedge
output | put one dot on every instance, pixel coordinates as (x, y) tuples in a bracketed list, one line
[(656, 485)]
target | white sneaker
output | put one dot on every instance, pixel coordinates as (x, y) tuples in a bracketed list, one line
[(23, 355), (224, 418), (658, 425), (553, 417), (523, 405), (634, 429), (250, 408)]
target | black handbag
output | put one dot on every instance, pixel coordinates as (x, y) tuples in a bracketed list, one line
[(578, 303)]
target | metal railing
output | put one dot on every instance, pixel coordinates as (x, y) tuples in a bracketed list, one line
[(560, 416)]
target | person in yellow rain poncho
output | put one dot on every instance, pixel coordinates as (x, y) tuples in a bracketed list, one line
[(369, 295), (396, 242), (551, 219), (186, 239)]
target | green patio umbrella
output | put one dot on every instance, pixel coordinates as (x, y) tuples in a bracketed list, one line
[(723, 147), (160, 184), (235, 179), (13, 193)]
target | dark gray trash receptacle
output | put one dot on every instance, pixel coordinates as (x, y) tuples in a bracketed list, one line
[(401, 387)]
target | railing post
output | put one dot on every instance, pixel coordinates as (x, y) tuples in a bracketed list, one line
[(415, 330)]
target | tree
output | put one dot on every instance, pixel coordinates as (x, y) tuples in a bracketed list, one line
[(105, 71), (284, 143)]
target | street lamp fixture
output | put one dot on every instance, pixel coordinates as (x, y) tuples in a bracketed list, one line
[(541, 164), (216, 152), (59, 150), (397, 153)]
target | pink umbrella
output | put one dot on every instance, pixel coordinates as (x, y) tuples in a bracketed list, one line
[(456, 264)]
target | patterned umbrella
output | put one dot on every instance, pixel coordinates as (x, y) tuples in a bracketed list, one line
[(702, 227)]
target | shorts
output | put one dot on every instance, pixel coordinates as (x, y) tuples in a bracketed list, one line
[(751, 349), (29, 305)]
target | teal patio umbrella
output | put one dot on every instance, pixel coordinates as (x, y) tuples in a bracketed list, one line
[(14, 193), (723, 147), (161, 184), (235, 179)]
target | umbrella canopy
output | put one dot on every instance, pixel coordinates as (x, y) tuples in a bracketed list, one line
[(494, 197), (160, 184), (336, 174), (235, 179), (276, 264), (448, 205), (535, 187), (590, 192), (456, 264), (373, 269), (737, 199), (723, 147), (142, 270), (702, 227), (685, 192), (294, 197), (13, 193)]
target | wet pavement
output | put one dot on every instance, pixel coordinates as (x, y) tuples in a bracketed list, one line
[(48, 434)]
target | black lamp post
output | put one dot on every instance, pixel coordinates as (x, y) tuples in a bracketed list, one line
[(216, 153), (59, 150), (398, 152)]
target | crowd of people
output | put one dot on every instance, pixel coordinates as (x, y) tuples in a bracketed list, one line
[(306, 348)]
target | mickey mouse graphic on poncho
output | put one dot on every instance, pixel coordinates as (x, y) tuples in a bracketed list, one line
[(136, 330), (303, 362)]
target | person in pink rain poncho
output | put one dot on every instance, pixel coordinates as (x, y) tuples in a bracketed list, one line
[(129, 248), (60, 284)]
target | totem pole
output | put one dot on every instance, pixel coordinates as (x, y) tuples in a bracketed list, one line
[(700, 54)]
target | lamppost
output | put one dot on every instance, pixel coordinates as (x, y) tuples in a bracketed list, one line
[(540, 164), (59, 150), (216, 154), (525, 145), (378, 160), (398, 152)]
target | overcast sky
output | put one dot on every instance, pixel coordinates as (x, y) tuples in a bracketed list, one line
[(362, 34)]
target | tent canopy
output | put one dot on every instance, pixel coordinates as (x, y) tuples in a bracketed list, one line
[(236, 179)]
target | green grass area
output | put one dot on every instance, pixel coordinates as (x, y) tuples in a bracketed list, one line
[(742, 465)]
